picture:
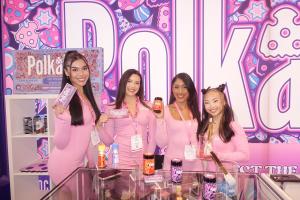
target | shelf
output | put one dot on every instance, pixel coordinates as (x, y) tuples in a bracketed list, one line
[(25, 149), (30, 173), (32, 135), (27, 187)]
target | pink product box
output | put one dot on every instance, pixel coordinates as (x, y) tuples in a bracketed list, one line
[(118, 113), (66, 95)]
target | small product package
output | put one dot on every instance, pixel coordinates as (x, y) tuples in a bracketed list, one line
[(66, 95)]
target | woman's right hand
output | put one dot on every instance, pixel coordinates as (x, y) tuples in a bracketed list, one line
[(161, 114), (102, 120), (203, 156), (58, 109)]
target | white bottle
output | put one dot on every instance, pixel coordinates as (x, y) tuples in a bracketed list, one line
[(115, 155)]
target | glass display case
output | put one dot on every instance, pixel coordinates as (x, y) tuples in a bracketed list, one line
[(110, 184)]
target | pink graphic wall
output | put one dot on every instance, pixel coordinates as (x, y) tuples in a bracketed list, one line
[(251, 45)]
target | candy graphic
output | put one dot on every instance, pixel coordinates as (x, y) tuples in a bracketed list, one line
[(257, 10), (290, 139), (129, 4), (27, 35), (163, 20), (141, 13), (49, 2), (9, 60), (124, 24), (261, 136), (281, 36), (15, 11), (44, 18), (5, 35), (274, 140), (254, 80), (104, 98), (50, 37)]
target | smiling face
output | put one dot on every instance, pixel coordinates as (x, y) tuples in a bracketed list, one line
[(78, 73), (214, 103), (180, 91), (133, 85)]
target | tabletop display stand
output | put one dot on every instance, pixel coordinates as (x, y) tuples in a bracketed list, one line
[(28, 152)]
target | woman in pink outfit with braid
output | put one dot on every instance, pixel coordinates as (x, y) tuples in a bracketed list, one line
[(177, 125), (132, 133), (74, 124), (227, 139)]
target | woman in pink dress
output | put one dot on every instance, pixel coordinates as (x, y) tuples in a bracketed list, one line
[(222, 134), (75, 123), (177, 125), (132, 133)]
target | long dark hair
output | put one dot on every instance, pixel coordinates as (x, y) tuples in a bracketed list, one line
[(122, 88), (225, 132), (193, 96), (75, 107)]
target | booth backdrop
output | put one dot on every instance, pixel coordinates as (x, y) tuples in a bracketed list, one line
[(252, 46)]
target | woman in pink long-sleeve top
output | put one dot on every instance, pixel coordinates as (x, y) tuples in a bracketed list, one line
[(132, 133), (74, 124), (222, 135), (178, 124)]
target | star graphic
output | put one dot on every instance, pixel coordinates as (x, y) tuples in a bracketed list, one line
[(44, 18), (257, 10)]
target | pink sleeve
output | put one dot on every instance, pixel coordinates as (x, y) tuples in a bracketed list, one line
[(62, 124), (106, 132), (240, 143), (151, 133)]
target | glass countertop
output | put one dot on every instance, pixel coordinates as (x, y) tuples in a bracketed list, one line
[(86, 183)]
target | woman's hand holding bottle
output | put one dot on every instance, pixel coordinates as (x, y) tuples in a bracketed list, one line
[(158, 107)]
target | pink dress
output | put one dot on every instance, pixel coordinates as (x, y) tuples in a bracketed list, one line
[(121, 130), (71, 144), (175, 134)]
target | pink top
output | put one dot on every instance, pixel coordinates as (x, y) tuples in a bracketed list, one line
[(175, 134), (121, 130), (237, 149), (71, 144)]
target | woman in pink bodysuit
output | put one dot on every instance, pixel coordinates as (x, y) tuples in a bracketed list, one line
[(74, 124), (177, 125), (227, 138), (133, 133)]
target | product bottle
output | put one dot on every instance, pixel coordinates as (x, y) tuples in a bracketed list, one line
[(209, 187), (149, 164), (178, 192), (101, 156), (157, 104), (115, 155), (176, 170)]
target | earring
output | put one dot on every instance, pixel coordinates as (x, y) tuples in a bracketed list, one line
[(68, 77)]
